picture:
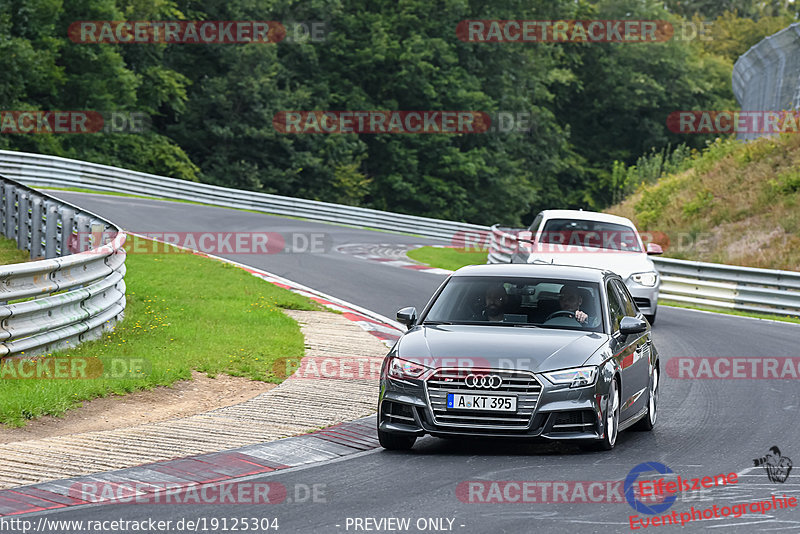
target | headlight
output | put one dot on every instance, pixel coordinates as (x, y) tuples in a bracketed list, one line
[(399, 368), (645, 279), (576, 378)]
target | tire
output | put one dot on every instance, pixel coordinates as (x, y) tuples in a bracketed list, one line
[(651, 319), (611, 430), (649, 420), (395, 442)]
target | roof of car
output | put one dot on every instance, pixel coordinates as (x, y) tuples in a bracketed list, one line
[(537, 270), (586, 215)]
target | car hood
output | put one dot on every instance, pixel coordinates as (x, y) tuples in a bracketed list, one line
[(622, 263), (507, 347)]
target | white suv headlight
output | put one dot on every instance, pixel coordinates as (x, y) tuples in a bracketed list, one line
[(576, 378), (646, 279)]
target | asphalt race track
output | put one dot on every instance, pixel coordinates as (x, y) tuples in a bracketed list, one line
[(376, 287), (706, 427)]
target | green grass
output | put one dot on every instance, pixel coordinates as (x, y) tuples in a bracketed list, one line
[(447, 258), (736, 204), (9, 253), (783, 318), (184, 313)]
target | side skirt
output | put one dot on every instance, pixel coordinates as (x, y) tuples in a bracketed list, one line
[(632, 420)]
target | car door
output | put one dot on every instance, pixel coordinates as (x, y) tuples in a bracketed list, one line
[(624, 350), (640, 343)]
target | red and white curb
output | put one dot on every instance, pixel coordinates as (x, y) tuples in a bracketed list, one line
[(379, 326), (389, 254), (217, 474)]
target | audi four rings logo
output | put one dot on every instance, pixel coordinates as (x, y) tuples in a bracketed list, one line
[(483, 381)]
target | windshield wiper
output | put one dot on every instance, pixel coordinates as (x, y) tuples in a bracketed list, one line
[(435, 323), (525, 325)]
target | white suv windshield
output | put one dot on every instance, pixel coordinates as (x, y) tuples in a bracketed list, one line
[(586, 233)]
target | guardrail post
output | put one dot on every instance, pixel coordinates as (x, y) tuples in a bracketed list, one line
[(23, 242), (82, 233), (66, 223), (36, 236), (97, 237), (11, 207), (50, 218), (3, 210)]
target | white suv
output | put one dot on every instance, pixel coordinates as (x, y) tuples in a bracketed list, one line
[(591, 239)]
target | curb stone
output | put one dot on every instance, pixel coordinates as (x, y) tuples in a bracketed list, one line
[(391, 254), (210, 468), (298, 405)]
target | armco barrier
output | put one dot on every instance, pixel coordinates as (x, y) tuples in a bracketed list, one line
[(704, 284), (49, 171), (707, 284), (75, 292)]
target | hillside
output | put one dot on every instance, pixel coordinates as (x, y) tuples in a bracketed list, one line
[(736, 204)]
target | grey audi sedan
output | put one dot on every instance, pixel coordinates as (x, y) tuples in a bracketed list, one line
[(521, 351)]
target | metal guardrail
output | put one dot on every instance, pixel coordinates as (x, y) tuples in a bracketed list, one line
[(707, 284), (704, 284), (49, 171), (730, 287), (502, 244), (72, 295)]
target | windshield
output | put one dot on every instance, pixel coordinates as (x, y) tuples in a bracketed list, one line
[(595, 234), (514, 301)]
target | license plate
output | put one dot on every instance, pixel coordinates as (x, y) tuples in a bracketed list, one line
[(492, 403)]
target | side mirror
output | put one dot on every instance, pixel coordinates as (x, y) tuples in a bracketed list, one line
[(407, 316), (525, 242), (525, 236), (654, 249), (632, 325)]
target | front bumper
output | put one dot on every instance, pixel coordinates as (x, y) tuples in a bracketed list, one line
[(646, 298), (560, 413)]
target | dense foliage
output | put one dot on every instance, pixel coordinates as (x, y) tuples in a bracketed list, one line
[(212, 105)]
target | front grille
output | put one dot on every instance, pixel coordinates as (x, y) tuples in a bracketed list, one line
[(570, 422), (521, 384), (641, 302)]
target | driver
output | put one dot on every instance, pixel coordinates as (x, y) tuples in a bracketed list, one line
[(570, 300), (496, 300)]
